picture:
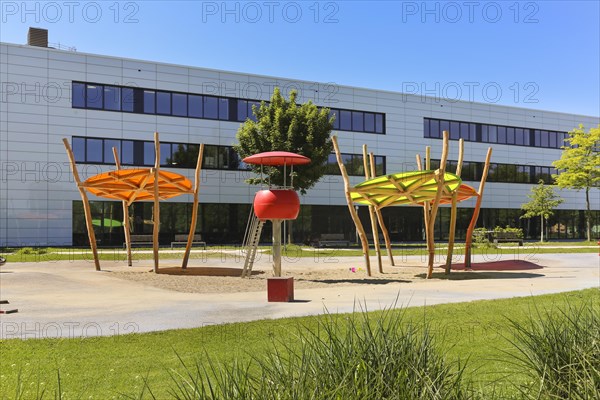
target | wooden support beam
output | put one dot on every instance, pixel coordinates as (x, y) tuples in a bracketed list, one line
[(453, 209), (353, 213), (86, 205), (469, 239), (156, 227), (386, 235), (435, 204), (190, 239), (372, 216), (125, 214)]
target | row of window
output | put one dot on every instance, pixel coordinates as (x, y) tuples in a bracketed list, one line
[(183, 155), (487, 133), (176, 104), (505, 173)]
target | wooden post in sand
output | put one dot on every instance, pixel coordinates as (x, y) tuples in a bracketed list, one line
[(190, 239), (372, 211), (353, 213), (461, 148), (86, 205), (156, 216), (386, 235), (469, 238), (125, 214), (439, 177)]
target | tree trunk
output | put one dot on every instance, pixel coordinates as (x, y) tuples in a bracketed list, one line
[(542, 230), (588, 215)]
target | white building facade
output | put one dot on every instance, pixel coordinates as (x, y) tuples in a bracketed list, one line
[(98, 102)]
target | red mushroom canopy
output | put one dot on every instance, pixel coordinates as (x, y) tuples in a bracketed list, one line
[(277, 158)]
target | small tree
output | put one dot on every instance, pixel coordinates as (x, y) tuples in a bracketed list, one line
[(282, 125), (580, 166), (542, 203)]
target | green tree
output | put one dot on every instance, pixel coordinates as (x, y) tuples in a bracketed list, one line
[(283, 125), (542, 203), (579, 166)]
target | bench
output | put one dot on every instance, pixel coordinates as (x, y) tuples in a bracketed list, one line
[(140, 240), (182, 240), (506, 237), (332, 240)]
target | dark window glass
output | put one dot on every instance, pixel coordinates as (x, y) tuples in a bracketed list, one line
[(78, 95), (180, 106), (537, 138), (510, 135), (211, 107), (492, 134), (434, 128), (109, 158), (127, 152), (379, 165), (165, 154), (484, 134), (149, 156), (224, 109), (553, 139), (369, 122), (426, 130), (492, 173), (93, 152), (335, 113), (519, 136), (345, 120), (455, 130), (332, 167), (251, 106), (464, 131), (210, 157), (378, 123), (526, 137), (127, 99), (78, 145), (544, 137), (195, 106), (444, 126), (473, 132), (501, 134), (149, 102), (358, 121), (163, 103), (94, 96), (179, 156), (242, 110), (112, 98), (347, 161), (561, 139), (223, 157)]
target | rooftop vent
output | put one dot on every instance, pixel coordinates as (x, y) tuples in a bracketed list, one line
[(37, 37)]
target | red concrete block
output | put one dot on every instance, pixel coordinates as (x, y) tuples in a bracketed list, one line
[(280, 289)]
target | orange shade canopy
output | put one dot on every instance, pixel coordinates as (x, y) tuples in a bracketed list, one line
[(137, 184)]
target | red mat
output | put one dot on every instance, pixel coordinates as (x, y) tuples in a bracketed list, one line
[(505, 265)]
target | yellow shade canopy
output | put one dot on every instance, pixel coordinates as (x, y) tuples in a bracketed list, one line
[(403, 188), (131, 185)]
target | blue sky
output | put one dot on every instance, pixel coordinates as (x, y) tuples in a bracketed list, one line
[(534, 54)]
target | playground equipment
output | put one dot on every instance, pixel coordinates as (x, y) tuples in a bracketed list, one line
[(425, 187), (129, 185), (275, 204)]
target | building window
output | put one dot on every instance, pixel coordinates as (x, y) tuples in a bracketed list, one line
[(94, 96), (180, 105), (112, 98)]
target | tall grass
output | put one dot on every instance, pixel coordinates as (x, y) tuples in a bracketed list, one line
[(344, 358), (560, 351)]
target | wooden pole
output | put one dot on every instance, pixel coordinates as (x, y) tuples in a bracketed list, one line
[(86, 205), (125, 215), (156, 227), (276, 247), (353, 213), (190, 239), (461, 148), (469, 239), (372, 217), (426, 204), (386, 235), (435, 205)]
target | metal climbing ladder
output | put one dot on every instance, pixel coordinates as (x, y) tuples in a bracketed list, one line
[(251, 239)]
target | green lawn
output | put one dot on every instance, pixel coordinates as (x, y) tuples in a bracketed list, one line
[(112, 366)]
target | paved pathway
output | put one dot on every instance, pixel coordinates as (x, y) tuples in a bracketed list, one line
[(70, 299)]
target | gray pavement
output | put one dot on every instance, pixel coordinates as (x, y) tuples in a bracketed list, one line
[(70, 299)]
